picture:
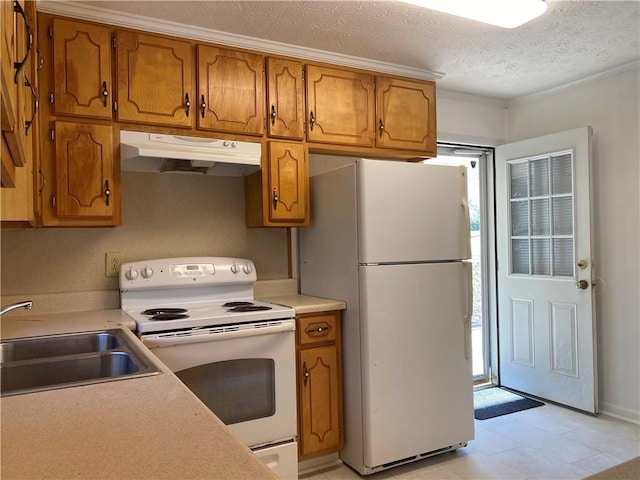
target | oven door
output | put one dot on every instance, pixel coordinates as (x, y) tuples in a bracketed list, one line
[(245, 374)]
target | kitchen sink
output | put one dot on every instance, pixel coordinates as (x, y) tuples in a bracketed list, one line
[(54, 346), (59, 361)]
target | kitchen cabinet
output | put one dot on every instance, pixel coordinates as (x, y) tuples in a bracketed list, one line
[(230, 91), (340, 106), (16, 56), (319, 383), (155, 80), (278, 195), (406, 114), (82, 79), (86, 180), (285, 99)]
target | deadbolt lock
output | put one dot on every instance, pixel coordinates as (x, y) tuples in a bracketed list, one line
[(582, 264)]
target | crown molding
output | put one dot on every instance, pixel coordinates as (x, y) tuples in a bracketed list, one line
[(578, 83), (94, 14)]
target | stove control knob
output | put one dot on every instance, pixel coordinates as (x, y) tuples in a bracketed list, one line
[(147, 272), (247, 269), (234, 268), (131, 274)]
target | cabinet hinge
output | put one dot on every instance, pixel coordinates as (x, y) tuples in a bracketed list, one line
[(50, 98), (50, 31), (53, 201), (265, 123), (374, 85), (52, 134), (264, 68), (115, 106), (113, 42), (303, 73)]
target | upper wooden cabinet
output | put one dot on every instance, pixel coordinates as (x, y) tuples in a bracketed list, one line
[(85, 175), (406, 114), (285, 99), (155, 80), (278, 195), (230, 91), (82, 79), (340, 106)]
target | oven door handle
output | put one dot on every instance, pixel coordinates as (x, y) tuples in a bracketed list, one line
[(211, 335)]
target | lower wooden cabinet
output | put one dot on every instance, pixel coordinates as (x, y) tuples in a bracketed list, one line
[(319, 384)]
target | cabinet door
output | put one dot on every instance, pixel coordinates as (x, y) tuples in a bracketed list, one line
[(319, 401), (340, 106), (155, 80), (288, 186), (230, 91), (81, 69), (406, 114), (84, 170), (285, 101)]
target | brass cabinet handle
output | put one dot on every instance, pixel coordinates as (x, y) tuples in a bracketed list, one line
[(105, 93), (381, 127), (312, 121), (187, 103), (275, 198), (305, 373), (323, 330), (274, 114), (29, 39), (107, 192), (203, 106)]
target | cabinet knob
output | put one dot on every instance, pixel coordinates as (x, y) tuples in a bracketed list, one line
[(105, 93), (187, 103), (107, 192), (305, 373), (274, 115), (203, 106), (381, 127), (312, 121), (275, 198)]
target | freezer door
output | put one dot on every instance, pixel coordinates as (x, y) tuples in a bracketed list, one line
[(417, 384), (412, 212)]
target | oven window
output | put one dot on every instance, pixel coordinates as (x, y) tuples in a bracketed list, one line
[(235, 390)]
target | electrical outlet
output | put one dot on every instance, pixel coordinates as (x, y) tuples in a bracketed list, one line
[(112, 264)]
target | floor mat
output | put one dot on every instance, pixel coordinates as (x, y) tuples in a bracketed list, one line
[(495, 401)]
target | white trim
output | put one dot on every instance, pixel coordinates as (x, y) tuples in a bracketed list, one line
[(621, 413), (567, 86), (94, 14)]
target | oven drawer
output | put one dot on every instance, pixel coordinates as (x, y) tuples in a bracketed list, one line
[(317, 328)]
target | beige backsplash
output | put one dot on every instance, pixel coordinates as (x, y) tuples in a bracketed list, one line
[(62, 269)]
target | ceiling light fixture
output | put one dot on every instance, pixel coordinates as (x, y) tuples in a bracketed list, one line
[(502, 13)]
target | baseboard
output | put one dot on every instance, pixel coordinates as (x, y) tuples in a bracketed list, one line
[(620, 413), (313, 465)]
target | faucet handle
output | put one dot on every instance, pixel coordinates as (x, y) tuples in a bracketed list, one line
[(27, 304)]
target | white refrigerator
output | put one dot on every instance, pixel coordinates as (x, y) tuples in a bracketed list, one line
[(391, 238)]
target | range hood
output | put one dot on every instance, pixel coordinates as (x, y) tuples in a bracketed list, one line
[(153, 152)]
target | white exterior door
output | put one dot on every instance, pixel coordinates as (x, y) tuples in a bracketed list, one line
[(545, 268)]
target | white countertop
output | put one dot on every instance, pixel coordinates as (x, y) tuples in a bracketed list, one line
[(141, 428), (305, 303)]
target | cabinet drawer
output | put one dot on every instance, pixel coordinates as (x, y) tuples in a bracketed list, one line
[(317, 328)]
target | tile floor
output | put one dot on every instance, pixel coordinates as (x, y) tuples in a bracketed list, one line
[(547, 442)]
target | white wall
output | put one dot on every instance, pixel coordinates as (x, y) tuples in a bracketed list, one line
[(612, 107)]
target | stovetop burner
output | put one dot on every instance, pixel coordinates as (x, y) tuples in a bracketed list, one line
[(169, 316), (249, 308), (236, 304), (169, 310)]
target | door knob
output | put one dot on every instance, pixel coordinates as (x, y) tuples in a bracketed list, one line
[(582, 285)]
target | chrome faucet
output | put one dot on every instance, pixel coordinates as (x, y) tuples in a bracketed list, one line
[(28, 305)]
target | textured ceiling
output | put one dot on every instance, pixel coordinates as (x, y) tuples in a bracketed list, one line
[(573, 40)]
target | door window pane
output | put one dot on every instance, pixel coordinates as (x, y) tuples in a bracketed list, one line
[(235, 390), (541, 205)]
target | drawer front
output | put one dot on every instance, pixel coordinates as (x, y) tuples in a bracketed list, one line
[(317, 328)]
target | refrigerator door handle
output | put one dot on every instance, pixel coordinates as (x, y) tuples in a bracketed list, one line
[(464, 202), (468, 279)]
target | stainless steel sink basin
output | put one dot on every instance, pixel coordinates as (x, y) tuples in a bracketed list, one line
[(54, 346), (60, 361)]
